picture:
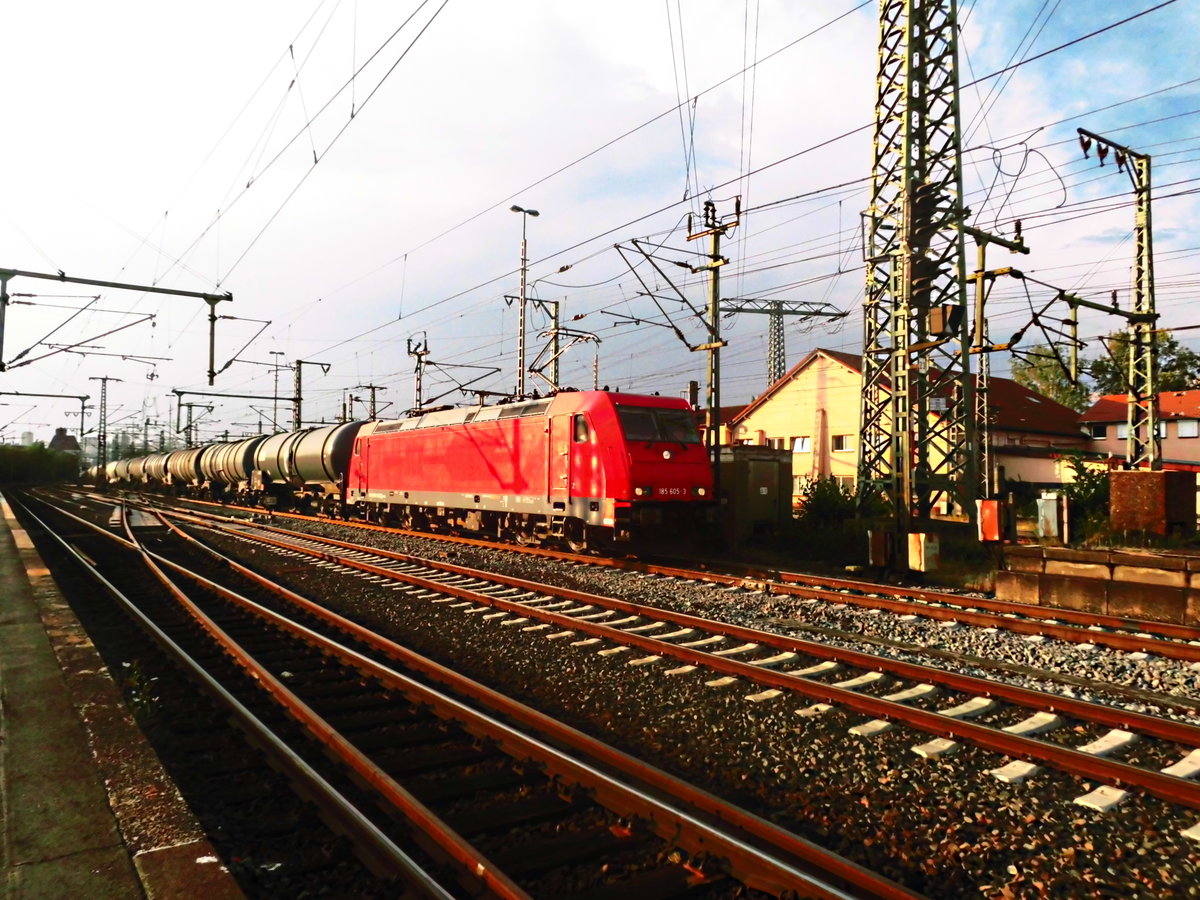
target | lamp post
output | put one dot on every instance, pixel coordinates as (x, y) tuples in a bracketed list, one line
[(525, 214)]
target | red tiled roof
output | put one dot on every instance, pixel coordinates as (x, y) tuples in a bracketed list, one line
[(1017, 408), (1171, 405)]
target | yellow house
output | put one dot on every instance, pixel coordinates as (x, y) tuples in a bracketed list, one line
[(814, 412)]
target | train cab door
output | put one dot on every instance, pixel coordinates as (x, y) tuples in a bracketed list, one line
[(358, 467), (558, 481)]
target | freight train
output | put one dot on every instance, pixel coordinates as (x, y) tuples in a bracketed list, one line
[(581, 468)]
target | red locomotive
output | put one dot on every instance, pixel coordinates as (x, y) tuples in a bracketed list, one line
[(585, 467)]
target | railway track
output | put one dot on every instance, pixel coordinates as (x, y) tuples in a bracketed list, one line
[(937, 703), (608, 813), (939, 823), (1164, 639)]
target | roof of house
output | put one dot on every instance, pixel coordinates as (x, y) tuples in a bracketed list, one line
[(849, 360), (1016, 407), (1171, 405)]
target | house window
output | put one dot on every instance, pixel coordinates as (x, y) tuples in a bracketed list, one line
[(845, 482), (803, 444), (843, 442), (1123, 431), (1099, 432), (1186, 428)]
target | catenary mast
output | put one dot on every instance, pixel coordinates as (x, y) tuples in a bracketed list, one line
[(917, 429)]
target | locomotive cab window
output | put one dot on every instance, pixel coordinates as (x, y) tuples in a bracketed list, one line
[(641, 423), (581, 430)]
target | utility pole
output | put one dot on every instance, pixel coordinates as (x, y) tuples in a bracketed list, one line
[(189, 430), (372, 388), (525, 214), (714, 229), (419, 349), (1144, 444), (981, 344), (298, 398), (916, 431), (82, 398), (211, 299), (551, 308), (146, 423), (102, 430), (275, 403)]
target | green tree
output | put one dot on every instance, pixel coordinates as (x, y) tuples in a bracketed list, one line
[(1178, 367), (1039, 370)]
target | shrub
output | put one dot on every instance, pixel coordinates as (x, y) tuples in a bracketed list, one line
[(824, 501)]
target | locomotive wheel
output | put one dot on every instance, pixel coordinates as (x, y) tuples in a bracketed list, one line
[(576, 538)]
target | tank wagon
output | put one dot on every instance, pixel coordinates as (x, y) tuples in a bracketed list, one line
[(305, 468), (585, 468)]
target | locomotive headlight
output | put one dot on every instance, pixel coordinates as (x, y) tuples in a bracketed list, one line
[(666, 454), (700, 492), (643, 491)]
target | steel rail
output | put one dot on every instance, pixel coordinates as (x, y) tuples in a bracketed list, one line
[(380, 853), (471, 862), (1033, 619), (1167, 787), (748, 862), (1154, 726), (1164, 629)]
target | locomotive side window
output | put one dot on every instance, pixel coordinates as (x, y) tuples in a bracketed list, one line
[(581, 430)]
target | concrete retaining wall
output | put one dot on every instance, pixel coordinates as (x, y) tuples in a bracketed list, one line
[(1163, 587)]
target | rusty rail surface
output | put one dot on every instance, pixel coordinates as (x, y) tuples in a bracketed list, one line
[(1168, 787)]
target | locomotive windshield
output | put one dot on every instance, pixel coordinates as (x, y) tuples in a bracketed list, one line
[(646, 423)]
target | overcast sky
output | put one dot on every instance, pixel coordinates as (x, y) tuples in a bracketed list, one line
[(153, 146)]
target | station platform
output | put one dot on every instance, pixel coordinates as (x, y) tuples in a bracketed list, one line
[(86, 809)]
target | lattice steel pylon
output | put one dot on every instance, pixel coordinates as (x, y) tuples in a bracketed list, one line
[(917, 431), (1144, 442), (776, 310)]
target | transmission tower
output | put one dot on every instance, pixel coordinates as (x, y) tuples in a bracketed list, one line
[(776, 310), (916, 430)]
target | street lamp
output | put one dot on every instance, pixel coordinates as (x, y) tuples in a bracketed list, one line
[(525, 214)]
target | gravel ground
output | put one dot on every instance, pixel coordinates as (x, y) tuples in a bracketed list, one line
[(944, 827)]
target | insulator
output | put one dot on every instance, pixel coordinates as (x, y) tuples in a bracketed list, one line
[(1102, 152), (1120, 158), (1086, 143)]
